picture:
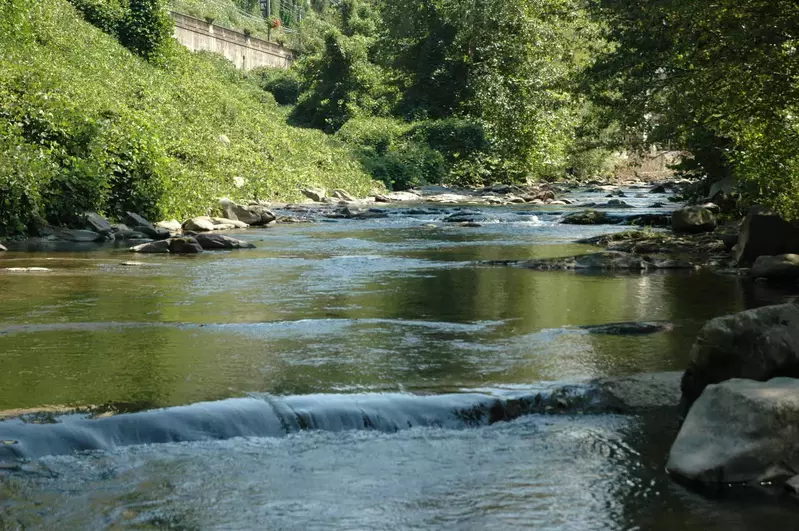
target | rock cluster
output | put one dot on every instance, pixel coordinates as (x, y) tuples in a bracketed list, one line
[(741, 399)]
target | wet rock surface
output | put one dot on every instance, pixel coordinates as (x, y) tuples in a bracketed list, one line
[(740, 431), (214, 241), (693, 220), (758, 344), (764, 233)]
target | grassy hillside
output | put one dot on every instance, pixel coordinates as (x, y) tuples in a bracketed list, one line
[(85, 124)]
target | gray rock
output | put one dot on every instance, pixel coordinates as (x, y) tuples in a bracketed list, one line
[(604, 261), (343, 195), (740, 431), (784, 266), (161, 246), (588, 217), (315, 194), (199, 224), (153, 232), (765, 234), (757, 344), (97, 223), (172, 225), (184, 245), (78, 235), (134, 220), (2, 248), (219, 241), (464, 217), (232, 222), (132, 235), (693, 220), (252, 215)]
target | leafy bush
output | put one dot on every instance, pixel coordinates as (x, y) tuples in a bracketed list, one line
[(105, 14), (392, 153), (85, 124), (146, 28), (455, 138), (285, 85)]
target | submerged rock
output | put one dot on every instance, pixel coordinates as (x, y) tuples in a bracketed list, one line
[(693, 220), (79, 236), (764, 233), (588, 217), (629, 329), (757, 344), (740, 431), (220, 241), (782, 267), (603, 261)]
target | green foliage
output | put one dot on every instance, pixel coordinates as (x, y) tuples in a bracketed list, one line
[(285, 85), (85, 124), (508, 67), (717, 79), (105, 14), (342, 83), (390, 153), (146, 27)]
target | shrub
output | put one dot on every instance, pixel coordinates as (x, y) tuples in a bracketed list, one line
[(146, 28), (285, 85), (105, 14), (85, 124), (453, 137)]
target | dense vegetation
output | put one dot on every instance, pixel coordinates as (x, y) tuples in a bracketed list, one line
[(86, 124), (435, 91), (719, 79)]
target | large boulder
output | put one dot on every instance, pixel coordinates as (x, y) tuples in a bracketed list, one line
[(782, 267), (758, 344), (315, 194), (251, 215), (693, 220), (764, 233), (97, 223), (184, 245), (161, 246), (134, 220), (214, 241), (171, 225), (343, 195), (740, 431)]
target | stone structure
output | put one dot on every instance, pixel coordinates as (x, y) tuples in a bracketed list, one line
[(242, 50)]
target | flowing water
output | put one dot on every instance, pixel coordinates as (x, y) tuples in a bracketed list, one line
[(347, 375)]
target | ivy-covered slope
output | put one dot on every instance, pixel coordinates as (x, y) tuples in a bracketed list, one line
[(87, 125)]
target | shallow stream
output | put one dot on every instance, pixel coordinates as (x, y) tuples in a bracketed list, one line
[(371, 354)]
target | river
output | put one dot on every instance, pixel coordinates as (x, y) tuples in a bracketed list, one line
[(343, 375)]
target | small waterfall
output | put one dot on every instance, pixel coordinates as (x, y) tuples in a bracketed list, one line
[(270, 416)]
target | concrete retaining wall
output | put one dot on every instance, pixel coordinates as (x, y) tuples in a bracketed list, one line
[(243, 51)]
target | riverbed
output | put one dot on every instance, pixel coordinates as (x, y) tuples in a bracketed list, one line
[(401, 320)]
